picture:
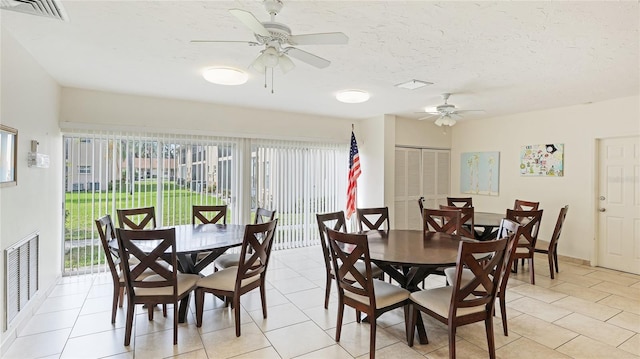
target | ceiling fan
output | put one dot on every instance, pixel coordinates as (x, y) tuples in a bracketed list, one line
[(276, 38), (447, 113)]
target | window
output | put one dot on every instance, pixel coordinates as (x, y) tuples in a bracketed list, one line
[(115, 170), (298, 179), (105, 171)]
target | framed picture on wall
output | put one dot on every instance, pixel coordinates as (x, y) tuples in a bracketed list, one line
[(8, 156), (480, 173), (542, 160)]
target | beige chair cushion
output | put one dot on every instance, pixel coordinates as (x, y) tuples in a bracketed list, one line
[(225, 280), (522, 250), (386, 294), (147, 273), (229, 260), (542, 245), (439, 299), (375, 270), (202, 255), (186, 282), (466, 277)]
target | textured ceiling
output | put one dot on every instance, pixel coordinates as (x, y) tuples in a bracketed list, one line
[(503, 57)]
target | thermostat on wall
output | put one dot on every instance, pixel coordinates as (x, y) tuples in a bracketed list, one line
[(38, 160)]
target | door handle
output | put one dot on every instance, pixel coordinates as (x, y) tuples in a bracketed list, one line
[(602, 210)]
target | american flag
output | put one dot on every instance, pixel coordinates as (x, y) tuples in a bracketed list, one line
[(354, 173)]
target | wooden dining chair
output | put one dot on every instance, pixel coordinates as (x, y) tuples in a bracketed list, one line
[(107, 233), (264, 215), (466, 220), (373, 218), (464, 303), (250, 273), (441, 220), (137, 218), (207, 214), (521, 205), (360, 290), (337, 222), (530, 220), (460, 201), (550, 248), (165, 286), (511, 231), (227, 260)]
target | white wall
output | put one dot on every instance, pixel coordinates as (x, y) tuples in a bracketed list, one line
[(95, 109), (377, 140), (577, 127), (370, 135), (29, 103), (421, 134)]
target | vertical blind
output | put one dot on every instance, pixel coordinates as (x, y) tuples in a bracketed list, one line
[(298, 179), (109, 170)]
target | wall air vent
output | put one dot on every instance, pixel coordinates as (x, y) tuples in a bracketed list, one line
[(47, 8), (21, 275)]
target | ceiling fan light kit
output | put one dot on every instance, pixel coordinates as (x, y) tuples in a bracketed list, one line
[(353, 96), (446, 114), (276, 37), (225, 76)]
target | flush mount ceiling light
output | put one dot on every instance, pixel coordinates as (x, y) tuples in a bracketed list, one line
[(414, 84), (353, 96), (225, 76)]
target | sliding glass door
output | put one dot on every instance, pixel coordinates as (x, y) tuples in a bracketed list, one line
[(106, 171)]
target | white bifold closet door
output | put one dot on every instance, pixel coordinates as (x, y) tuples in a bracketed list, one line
[(419, 173)]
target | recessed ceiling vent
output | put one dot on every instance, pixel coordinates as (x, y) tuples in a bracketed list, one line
[(48, 8)]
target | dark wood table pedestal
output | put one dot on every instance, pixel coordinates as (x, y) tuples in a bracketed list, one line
[(213, 239), (409, 256), (489, 222)]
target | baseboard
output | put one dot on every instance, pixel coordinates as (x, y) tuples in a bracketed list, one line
[(9, 336), (574, 260)]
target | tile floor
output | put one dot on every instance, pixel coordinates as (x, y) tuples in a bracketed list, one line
[(585, 312)]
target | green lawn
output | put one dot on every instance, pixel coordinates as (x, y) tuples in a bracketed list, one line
[(83, 208)]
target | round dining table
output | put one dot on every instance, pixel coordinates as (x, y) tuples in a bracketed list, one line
[(490, 222), (409, 256), (192, 239)]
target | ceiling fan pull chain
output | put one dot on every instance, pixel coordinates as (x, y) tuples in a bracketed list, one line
[(272, 80), (265, 77)]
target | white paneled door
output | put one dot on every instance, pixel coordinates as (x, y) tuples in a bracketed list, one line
[(419, 173), (619, 204)]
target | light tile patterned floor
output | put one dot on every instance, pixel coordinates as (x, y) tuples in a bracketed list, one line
[(585, 312)]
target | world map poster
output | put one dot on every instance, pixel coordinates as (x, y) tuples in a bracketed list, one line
[(479, 173), (542, 160)]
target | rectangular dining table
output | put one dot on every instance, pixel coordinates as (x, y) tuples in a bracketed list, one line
[(192, 239)]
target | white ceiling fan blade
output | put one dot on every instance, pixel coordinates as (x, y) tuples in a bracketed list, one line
[(250, 21), (463, 111), (307, 57), (329, 38), (426, 117), (251, 43), (286, 64)]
